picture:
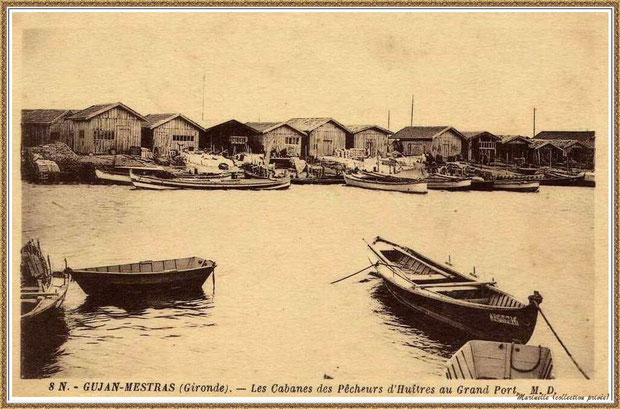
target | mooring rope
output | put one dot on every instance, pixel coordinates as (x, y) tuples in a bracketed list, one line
[(351, 275), (562, 343)]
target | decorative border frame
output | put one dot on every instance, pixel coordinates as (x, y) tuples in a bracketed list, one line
[(5, 4)]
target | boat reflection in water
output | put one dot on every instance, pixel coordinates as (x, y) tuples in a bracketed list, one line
[(418, 331), (42, 345), (192, 302)]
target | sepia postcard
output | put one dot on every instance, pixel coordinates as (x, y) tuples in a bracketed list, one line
[(306, 205)]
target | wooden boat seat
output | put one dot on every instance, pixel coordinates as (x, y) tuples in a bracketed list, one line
[(30, 289), (454, 288), (473, 284), (424, 277)]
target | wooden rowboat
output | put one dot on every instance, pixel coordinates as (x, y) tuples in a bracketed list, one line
[(368, 181), (323, 180), (500, 360), (446, 182), (42, 291), (144, 276), (154, 182), (476, 308), (120, 174)]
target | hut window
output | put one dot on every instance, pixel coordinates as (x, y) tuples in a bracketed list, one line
[(81, 134), (103, 134), (183, 138), (291, 140)]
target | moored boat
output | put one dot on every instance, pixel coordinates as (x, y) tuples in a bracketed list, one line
[(475, 308), (144, 276), (513, 185), (42, 290), (155, 182), (500, 360), (479, 183), (369, 181), (445, 182), (120, 175)]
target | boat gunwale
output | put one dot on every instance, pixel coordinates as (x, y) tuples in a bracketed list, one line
[(406, 182), (89, 270), (425, 292), (55, 299), (210, 182)]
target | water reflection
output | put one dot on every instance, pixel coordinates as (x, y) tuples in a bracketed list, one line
[(419, 331), (42, 343)]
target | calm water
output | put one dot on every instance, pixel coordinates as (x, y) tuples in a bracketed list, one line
[(273, 315)]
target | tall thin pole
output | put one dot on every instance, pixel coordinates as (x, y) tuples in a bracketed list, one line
[(388, 127), (534, 124), (412, 110), (203, 97)]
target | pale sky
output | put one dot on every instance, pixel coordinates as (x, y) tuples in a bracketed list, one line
[(473, 71)]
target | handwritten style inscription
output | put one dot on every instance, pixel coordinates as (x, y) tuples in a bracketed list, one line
[(504, 319)]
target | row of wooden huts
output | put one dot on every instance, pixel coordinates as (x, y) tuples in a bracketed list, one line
[(114, 127)]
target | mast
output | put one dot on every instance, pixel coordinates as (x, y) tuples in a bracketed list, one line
[(388, 127), (203, 97), (534, 124), (412, 109)]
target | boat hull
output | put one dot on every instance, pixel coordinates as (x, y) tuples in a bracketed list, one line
[(113, 178), (484, 185), (404, 186), (98, 283), (451, 185), (508, 324), (517, 186), (154, 183)]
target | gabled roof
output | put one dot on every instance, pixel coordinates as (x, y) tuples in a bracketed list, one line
[(233, 123), (564, 144), (265, 127), (94, 110), (43, 116), (310, 124), (360, 128), (514, 138), (469, 135), (423, 132), (540, 143), (155, 120), (566, 135)]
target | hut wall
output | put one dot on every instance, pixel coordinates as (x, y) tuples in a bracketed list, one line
[(325, 139), (35, 134), (371, 141), (177, 134), (115, 129), (416, 147), (281, 139), (482, 149), (448, 145)]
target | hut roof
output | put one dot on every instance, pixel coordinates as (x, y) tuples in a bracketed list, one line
[(310, 124), (514, 138), (360, 128), (423, 132), (264, 127), (469, 135), (564, 144), (566, 135), (540, 143), (231, 125), (43, 116), (94, 110), (155, 120)]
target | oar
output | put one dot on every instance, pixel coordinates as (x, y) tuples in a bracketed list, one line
[(351, 275)]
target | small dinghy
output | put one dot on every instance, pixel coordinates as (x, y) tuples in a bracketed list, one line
[(500, 360), (368, 180), (513, 185), (170, 182), (144, 276), (42, 290), (476, 308)]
